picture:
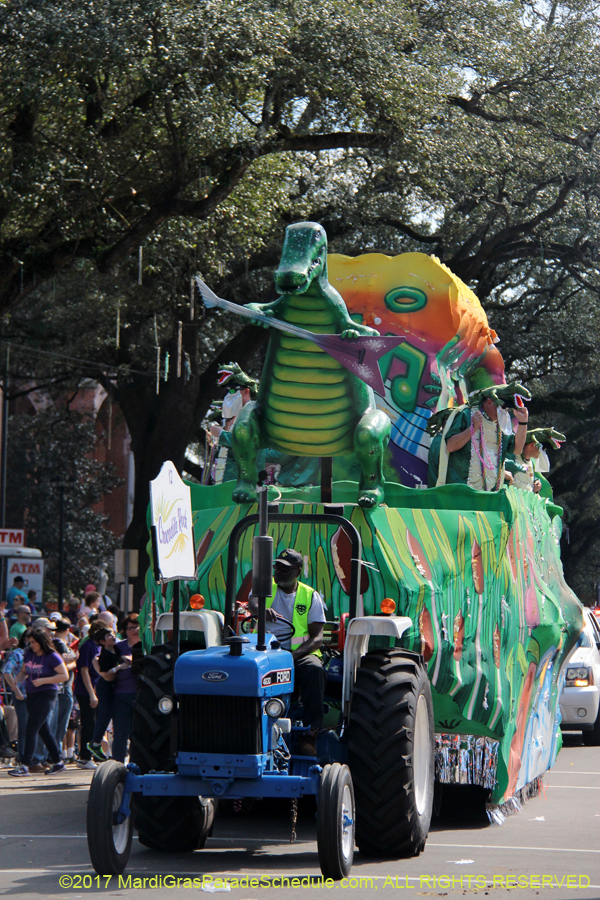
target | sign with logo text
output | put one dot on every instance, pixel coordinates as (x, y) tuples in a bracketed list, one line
[(171, 502), (279, 676), (12, 537), (30, 570)]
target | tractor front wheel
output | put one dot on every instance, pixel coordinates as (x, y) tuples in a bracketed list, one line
[(109, 840), (335, 822), (391, 744)]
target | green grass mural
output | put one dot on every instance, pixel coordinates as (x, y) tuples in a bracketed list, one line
[(479, 575)]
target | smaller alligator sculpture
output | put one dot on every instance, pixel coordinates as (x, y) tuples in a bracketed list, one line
[(542, 436), (308, 403), (232, 376)]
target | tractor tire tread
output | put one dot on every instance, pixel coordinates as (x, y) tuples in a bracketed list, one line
[(380, 736), (169, 824)]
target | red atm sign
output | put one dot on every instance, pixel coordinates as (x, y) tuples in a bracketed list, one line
[(12, 537)]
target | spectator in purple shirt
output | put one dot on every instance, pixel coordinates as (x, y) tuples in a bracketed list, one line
[(84, 688), (125, 687), (43, 670)]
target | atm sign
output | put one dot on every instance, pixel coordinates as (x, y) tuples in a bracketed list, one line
[(12, 537), (280, 676)]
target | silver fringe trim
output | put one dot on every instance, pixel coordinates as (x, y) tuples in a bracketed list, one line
[(466, 759), (498, 812)]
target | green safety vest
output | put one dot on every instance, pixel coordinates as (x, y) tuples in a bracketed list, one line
[(300, 616)]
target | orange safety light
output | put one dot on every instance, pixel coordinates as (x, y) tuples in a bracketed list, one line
[(387, 606), (197, 601)]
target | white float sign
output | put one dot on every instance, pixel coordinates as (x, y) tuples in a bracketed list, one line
[(171, 502)]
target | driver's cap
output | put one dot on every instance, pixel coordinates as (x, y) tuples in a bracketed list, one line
[(290, 558)]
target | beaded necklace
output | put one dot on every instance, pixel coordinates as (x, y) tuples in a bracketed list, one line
[(484, 456)]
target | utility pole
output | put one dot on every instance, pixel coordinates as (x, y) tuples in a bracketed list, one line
[(4, 467), (61, 546), (61, 484)]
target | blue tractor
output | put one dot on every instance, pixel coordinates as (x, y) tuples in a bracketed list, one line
[(219, 723)]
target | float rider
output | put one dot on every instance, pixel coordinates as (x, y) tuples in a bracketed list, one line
[(475, 440), (522, 467), (241, 389), (301, 605), (528, 466)]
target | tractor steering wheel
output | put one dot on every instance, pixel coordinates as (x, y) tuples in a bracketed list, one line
[(287, 635), (249, 625)]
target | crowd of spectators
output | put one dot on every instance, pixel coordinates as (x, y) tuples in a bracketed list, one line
[(68, 682)]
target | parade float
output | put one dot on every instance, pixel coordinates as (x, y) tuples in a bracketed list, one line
[(477, 572)]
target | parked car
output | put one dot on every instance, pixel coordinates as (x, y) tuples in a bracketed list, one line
[(580, 699)]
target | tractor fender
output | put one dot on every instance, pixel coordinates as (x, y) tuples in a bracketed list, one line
[(357, 643), (210, 621)]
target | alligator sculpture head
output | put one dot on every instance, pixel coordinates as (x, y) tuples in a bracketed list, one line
[(233, 376), (510, 395), (303, 258), (542, 436), (215, 411)]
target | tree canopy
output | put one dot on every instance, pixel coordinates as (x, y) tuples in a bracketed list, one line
[(197, 131)]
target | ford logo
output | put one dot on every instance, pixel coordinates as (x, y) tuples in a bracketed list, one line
[(215, 676)]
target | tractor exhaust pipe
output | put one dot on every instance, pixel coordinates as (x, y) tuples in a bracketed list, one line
[(262, 561)]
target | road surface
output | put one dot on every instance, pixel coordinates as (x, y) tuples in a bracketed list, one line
[(43, 849)]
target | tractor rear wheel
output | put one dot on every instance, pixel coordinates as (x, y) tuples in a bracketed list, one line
[(171, 824), (149, 744), (391, 753)]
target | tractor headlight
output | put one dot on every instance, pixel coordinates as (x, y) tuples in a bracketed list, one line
[(274, 708), (165, 705)]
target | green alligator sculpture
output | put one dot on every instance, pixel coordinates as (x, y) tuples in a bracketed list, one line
[(308, 404), (549, 436), (232, 376)]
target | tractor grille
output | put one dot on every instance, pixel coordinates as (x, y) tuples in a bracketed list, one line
[(211, 724)]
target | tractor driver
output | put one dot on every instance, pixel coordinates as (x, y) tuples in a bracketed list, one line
[(303, 606)]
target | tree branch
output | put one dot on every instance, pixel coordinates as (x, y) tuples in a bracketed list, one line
[(472, 107), (406, 229), (240, 159)]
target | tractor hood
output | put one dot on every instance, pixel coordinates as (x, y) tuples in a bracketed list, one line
[(265, 673)]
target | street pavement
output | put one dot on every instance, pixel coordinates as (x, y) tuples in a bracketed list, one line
[(552, 841)]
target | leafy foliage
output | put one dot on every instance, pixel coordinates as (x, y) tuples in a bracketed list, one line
[(118, 117), (198, 131)]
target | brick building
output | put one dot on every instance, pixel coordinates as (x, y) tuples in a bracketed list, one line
[(113, 444)]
